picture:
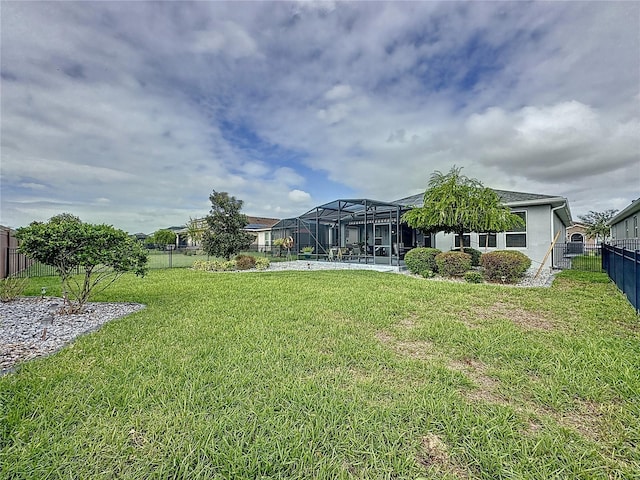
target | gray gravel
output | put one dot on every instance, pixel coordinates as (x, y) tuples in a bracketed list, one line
[(34, 327)]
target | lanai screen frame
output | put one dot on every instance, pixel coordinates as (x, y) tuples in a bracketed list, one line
[(340, 213)]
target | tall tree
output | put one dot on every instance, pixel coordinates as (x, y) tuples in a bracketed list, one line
[(225, 235), (84, 255), (455, 203), (597, 224)]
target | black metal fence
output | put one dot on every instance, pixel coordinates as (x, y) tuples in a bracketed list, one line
[(623, 267), (577, 256), (18, 265)]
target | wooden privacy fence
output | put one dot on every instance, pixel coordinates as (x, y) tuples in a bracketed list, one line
[(11, 262), (623, 267)]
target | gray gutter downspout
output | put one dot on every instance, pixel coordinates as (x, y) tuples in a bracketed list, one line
[(552, 232)]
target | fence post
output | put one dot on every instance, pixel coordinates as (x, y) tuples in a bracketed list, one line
[(636, 280)]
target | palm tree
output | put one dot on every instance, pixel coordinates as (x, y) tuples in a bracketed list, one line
[(194, 231), (597, 224)]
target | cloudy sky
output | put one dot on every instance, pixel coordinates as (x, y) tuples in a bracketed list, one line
[(132, 113)]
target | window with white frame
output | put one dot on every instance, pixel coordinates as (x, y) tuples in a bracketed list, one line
[(466, 239), (487, 240), (635, 226), (517, 237)]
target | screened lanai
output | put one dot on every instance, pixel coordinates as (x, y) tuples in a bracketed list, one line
[(356, 230)]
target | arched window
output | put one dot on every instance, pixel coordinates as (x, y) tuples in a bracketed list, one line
[(577, 237)]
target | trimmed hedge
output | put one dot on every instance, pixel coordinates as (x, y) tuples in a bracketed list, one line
[(421, 260), (473, 276), (475, 255), (507, 266), (453, 264), (245, 262)]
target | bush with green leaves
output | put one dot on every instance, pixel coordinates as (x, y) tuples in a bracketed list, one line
[(453, 264), (228, 266), (475, 255), (245, 262), (100, 253), (262, 263), (507, 266), (421, 259), (12, 287), (473, 276)]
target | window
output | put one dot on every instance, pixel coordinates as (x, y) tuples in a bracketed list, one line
[(626, 229), (635, 227), (487, 240), (517, 238), (466, 238)]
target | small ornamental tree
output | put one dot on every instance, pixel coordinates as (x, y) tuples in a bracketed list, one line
[(455, 203), (225, 235), (83, 254), (164, 237)]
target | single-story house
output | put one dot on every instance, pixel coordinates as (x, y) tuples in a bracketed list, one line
[(261, 228), (577, 233), (258, 226), (624, 226), (374, 229)]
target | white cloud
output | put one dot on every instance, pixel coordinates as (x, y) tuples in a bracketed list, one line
[(338, 92), (153, 110), (299, 196), (226, 37)]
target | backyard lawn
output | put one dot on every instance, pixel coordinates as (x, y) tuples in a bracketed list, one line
[(335, 375)]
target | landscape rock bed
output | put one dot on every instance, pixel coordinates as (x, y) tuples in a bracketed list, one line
[(35, 327)]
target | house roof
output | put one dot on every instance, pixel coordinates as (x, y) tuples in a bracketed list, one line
[(506, 197), (261, 222), (634, 207), (510, 199)]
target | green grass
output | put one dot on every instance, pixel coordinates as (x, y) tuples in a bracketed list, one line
[(589, 263), (335, 375)]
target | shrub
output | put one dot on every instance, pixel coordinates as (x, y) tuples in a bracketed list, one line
[(227, 266), (421, 259), (427, 273), (452, 264), (504, 265), (200, 265), (475, 255), (245, 262), (262, 263), (101, 252), (12, 287), (473, 276)]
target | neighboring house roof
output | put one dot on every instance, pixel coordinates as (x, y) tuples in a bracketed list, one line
[(255, 224), (634, 207), (262, 221), (510, 199)]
